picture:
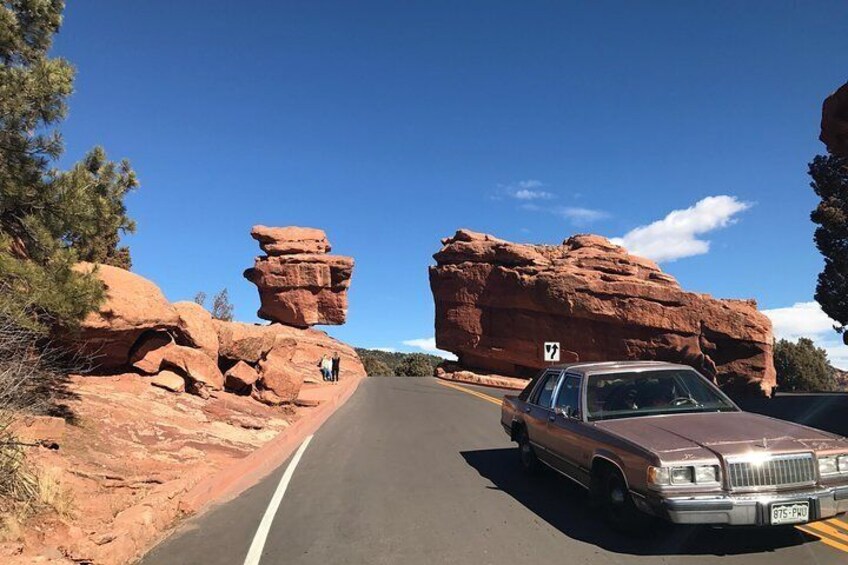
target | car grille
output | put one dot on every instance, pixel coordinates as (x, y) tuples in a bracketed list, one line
[(779, 471)]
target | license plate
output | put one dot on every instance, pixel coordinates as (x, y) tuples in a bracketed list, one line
[(790, 513)]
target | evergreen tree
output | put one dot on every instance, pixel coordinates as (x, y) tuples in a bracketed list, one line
[(802, 367), (222, 309), (50, 219), (830, 182)]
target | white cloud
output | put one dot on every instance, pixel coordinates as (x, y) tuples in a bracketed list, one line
[(385, 349), (428, 345), (526, 190), (806, 319), (580, 216), (802, 319), (675, 236)]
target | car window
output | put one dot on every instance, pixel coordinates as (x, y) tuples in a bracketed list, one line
[(569, 395), (545, 392), (643, 393), (525, 394)]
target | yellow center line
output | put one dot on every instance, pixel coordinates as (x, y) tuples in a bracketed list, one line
[(824, 531), (820, 530), (480, 395)]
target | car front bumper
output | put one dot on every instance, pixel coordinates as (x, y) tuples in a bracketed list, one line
[(742, 509)]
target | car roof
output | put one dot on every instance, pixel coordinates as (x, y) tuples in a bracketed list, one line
[(597, 367)]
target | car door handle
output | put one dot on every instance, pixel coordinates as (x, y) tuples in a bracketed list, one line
[(552, 418), (526, 408)]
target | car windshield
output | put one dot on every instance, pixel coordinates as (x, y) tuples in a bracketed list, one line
[(648, 393)]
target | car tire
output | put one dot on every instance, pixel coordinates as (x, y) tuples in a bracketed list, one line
[(617, 505), (526, 454)]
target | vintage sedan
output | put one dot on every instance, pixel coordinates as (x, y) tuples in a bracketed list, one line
[(660, 439)]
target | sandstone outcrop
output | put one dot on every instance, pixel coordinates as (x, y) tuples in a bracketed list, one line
[(299, 283), (133, 306), (497, 302), (282, 356), (834, 124)]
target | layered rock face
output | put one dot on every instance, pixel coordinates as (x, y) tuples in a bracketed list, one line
[(497, 302), (299, 283), (834, 125)]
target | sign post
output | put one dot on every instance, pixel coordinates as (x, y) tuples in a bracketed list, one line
[(551, 353)]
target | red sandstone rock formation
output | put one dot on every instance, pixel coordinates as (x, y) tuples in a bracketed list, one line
[(181, 347), (133, 306), (834, 125), (299, 284), (497, 303)]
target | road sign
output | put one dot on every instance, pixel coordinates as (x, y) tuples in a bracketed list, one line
[(552, 351)]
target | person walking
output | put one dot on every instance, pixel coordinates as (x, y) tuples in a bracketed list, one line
[(336, 363), (326, 367)]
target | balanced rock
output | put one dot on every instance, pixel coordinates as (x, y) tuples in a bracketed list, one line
[(133, 306), (497, 302), (299, 283), (834, 124)]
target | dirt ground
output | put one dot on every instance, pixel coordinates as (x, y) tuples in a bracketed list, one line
[(113, 472)]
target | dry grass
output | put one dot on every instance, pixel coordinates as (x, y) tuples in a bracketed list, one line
[(53, 494), (32, 379)]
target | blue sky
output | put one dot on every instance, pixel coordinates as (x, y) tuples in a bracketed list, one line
[(390, 125)]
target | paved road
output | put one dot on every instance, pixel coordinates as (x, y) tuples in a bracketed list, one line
[(414, 471)]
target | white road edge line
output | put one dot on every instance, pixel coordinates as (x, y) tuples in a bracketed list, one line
[(258, 544)]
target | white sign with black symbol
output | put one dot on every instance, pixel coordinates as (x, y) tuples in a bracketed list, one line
[(551, 351)]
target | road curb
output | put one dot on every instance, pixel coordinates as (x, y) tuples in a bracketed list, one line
[(483, 380)]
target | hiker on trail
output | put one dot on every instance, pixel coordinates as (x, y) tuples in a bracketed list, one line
[(336, 362), (326, 367)]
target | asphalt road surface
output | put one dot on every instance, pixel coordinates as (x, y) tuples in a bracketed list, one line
[(415, 471)]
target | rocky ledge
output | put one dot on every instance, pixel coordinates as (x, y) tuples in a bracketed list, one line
[(497, 302)]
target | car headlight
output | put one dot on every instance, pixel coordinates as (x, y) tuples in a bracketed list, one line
[(833, 465), (706, 474), (683, 475)]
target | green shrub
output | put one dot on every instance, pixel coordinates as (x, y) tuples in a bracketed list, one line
[(802, 367)]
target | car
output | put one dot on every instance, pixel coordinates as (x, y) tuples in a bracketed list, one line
[(656, 438)]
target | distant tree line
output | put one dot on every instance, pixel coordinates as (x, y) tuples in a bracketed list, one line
[(390, 363)]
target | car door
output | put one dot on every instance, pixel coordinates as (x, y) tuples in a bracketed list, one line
[(565, 438), (538, 411)]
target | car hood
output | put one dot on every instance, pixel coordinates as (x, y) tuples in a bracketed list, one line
[(688, 436)]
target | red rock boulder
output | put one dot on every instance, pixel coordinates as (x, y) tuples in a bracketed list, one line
[(197, 329), (299, 284), (497, 302), (133, 306), (834, 124)]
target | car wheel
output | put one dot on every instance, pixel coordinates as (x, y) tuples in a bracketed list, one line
[(529, 461), (618, 507)]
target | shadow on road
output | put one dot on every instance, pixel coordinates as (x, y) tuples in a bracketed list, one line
[(565, 506)]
